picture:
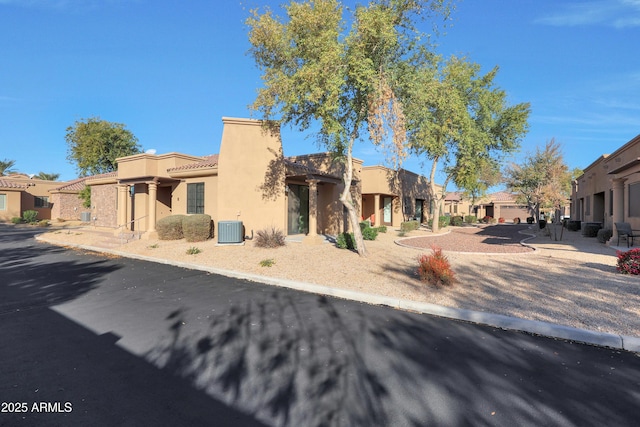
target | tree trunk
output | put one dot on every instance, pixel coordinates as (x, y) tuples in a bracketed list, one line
[(437, 200), (347, 200)]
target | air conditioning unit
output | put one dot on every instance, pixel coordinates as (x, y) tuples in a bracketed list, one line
[(230, 232), (85, 216)]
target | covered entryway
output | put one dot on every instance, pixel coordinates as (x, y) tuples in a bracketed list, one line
[(297, 209)]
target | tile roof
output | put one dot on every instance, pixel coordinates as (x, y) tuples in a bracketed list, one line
[(4, 183), (206, 162), (293, 168), (453, 197), (501, 196), (74, 185)]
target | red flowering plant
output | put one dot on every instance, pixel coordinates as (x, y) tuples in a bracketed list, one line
[(629, 261), (435, 268)]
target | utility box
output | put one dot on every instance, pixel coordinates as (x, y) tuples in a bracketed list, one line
[(230, 232), (85, 216)]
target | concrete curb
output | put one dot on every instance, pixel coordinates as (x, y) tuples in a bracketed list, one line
[(545, 329)]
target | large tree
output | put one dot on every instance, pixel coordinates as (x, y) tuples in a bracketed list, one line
[(6, 166), (542, 180), (47, 176), (460, 121), (95, 144), (316, 72)]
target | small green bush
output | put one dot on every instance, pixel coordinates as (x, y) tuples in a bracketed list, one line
[(470, 219), (443, 221), (196, 228), (382, 229), (591, 230), (30, 216), (267, 262), (193, 250), (370, 233), (604, 234), (629, 262), (43, 223), (409, 225), (435, 268), (170, 227), (456, 221), (346, 241), (273, 238), (573, 225), (16, 220), (365, 224)]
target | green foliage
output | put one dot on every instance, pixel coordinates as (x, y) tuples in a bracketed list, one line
[(456, 221), (85, 196), (443, 221), (267, 262), (591, 230), (573, 225), (435, 268), (6, 166), (370, 233), (382, 229), (154, 246), (196, 228), (193, 250), (272, 238), (16, 220), (170, 227), (30, 216), (346, 241), (470, 219), (47, 176), (95, 144), (409, 226), (43, 223), (604, 235), (629, 262)]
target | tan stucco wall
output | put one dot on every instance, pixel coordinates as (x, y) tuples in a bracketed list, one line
[(251, 176), (13, 205), (34, 187), (151, 165)]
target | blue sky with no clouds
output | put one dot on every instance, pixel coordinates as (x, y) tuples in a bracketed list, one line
[(171, 70)]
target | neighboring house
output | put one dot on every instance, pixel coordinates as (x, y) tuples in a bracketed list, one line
[(250, 181), (502, 204), (456, 204), (390, 200), (65, 202), (19, 193), (609, 189)]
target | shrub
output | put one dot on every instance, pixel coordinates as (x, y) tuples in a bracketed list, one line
[(530, 220), (629, 261), (456, 221), (43, 223), (370, 233), (196, 228), (443, 221), (542, 224), (435, 268), (470, 219), (170, 227), (16, 220), (365, 224), (409, 225), (604, 234), (382, 229), (267, 262), (273, 238), (573, 225), (516, 220), (193, 250), (501, 220), (345, 241), (30, 216), (487, 219)]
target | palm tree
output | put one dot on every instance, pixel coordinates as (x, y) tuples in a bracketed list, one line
[(48, 176), (5, 167)]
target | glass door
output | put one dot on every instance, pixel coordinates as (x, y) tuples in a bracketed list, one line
[(298, 209), (386, 209)]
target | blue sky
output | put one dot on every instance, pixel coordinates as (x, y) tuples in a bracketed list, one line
[(171, 70)]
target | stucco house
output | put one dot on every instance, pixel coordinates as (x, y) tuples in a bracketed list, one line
[(502, 204), (20, 192), (248, 181), (609, 189)]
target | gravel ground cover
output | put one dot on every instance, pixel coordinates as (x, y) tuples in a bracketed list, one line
[(570, 282)]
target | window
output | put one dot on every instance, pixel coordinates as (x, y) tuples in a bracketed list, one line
[(41, 201), (3, 202), (634, 199), (195, 198)]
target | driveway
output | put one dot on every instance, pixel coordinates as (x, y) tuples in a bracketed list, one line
[(127, 342)]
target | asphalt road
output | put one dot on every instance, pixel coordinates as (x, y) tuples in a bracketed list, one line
[(92, 340)]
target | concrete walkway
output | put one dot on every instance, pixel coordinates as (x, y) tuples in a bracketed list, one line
[(105, 242)]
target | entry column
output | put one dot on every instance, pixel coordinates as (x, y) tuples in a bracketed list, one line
[(123, 192), (153, 197), (312, 237), (618, 205)]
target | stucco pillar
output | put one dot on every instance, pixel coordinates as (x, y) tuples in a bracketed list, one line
[(153, 197), (376, 210), (618, 205), (123, 193), (312, 237)]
